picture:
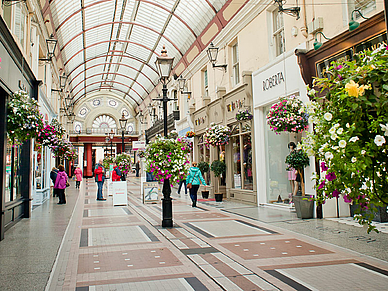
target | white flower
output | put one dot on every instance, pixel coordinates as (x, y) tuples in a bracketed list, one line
[(328, 116), (354, 159), (379, 140), (363, 152), (333, 136), (340, 130), (336, 125), (342, 143), (347, 125), (354, 139), (384, 128), (328, 156), (332, 130), (299, 146)]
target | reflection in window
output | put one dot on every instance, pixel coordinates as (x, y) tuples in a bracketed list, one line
[(242, 156)]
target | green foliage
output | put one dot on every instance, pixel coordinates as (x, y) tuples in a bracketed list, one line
[(123, 161), (203, 167), (218, 167), (107, 161), (351, 126), (298, 160)]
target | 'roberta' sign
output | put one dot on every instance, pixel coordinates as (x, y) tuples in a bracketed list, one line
[(273, 81)]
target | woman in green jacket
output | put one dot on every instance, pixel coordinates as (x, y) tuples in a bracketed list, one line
[(195, 178)]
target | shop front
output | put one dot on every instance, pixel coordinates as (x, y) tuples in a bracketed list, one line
[(16, 161), (42, 159), (239, 181), (280, 78), (370, 35)]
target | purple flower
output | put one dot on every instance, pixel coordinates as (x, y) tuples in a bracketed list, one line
[(347, 199), (331, 176), (335, 193), (324, 167), (321, 185)]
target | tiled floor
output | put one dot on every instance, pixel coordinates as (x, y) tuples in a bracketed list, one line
[(217, 246)]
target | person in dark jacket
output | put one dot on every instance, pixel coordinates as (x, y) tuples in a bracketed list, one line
[(99, 172), (53, 177), (195, 178), (137, 168), (116, 173), (60, 184)]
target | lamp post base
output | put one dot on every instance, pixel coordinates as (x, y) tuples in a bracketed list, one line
[(167, 212), (167, 205)]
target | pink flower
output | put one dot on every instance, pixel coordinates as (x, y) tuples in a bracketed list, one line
[(335, 193), (347, 199)]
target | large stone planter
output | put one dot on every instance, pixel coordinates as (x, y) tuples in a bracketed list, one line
[(304, 208)]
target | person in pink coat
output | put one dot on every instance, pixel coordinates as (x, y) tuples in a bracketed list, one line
[(60, 184), (78, 177)]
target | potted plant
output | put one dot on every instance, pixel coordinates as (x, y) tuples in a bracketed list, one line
[(217, 135), (190, 134), (298, 160), (219, 169), (204, 168)]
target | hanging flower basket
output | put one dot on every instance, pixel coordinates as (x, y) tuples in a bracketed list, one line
[(244, 115), (217, 135), (123, 161), (47, 136), (288, 115), (24, 120), (190, 134), (167, 159)]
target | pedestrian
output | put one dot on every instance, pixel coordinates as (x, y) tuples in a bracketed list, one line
[(137, 168), (116, 173), (99, 172), (53, 177), (61, 183), (193, 180), (150, 177), (181, 182), (78, 177)]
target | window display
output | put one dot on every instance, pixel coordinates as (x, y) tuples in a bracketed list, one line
[(242, 156), (276, 149)]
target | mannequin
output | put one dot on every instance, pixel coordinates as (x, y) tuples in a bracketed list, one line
[(292, 174)]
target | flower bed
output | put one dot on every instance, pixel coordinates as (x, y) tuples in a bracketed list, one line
[(167, 159), (288, 115), (217, 135), (351, 127)]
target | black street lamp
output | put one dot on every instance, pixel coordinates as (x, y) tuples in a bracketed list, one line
[(111, 136), (107, 144), (164, 65), (51, 44), (123, 124)]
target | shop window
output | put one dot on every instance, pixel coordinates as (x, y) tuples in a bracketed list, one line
[(13, 176), (276, 150), (205, 82), (365, 6), (278, 32), (204, 156), (235, 65), (242, 156)]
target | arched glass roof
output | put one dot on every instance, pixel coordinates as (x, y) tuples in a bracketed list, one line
[(114, 43)]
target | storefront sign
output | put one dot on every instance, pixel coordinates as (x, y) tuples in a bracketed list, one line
[(138, 145), (273, 81), (238, 104), (277, 79), (200, 120)]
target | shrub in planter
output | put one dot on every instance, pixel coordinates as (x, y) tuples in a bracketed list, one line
[(203, 167), (219, 168)]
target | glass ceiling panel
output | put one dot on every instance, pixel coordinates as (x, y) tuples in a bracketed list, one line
[(150, 19), (195, 13), (218, 4)]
